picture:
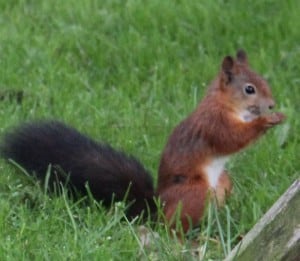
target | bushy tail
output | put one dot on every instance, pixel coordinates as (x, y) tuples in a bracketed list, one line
[(110, 174)]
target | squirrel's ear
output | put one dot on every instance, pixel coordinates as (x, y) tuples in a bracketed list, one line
[(241, 56), (227, 69)]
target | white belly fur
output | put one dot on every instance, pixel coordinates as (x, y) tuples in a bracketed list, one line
[(214, 170)]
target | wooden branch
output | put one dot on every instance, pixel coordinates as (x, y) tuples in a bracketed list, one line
[(276, 236)]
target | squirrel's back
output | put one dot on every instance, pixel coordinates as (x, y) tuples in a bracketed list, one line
[(110, 174)]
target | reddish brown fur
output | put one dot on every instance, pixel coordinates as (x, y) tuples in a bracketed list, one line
[(224, 188), (212, 130)]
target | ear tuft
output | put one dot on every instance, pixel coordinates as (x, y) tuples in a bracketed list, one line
[(228, 63), (241, 56), (227, 68)]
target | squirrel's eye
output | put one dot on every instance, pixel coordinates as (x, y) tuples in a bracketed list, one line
[(249, 89)]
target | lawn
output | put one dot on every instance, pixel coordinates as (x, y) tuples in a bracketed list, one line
[(127, 72)]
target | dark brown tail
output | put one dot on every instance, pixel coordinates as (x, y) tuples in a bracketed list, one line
[(110, 174)]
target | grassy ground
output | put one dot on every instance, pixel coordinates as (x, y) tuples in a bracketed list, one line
[(127, 72)]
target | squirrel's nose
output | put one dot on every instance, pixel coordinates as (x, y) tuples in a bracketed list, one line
[(271, 105)]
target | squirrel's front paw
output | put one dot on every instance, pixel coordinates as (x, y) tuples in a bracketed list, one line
[(274, 118)]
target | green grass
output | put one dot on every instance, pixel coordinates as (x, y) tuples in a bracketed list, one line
[(127, 72)]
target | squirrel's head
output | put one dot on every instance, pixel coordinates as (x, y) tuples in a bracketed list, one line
[(249, 93)]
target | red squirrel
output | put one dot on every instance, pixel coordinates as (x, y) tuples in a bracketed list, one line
[(233, 114)]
